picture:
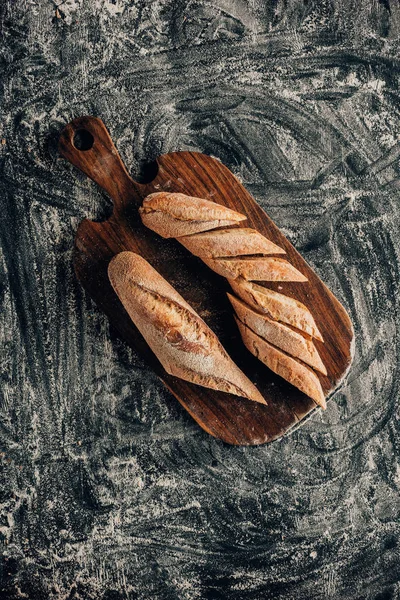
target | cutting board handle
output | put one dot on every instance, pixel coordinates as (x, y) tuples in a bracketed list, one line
[(86, 143)]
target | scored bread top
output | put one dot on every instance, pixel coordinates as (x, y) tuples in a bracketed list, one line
[(278, 334), (280, 363), (236, 241), (259, 268), (277, 306), (174, 214), (181, 340), (243, 256)]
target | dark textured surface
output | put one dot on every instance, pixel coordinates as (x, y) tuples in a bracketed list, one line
[(109, 490)]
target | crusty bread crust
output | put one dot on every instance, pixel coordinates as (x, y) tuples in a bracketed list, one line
[(181, 340), (268, 320), (277, 306), (236, 241), (283, 365), (175, 215), (278, 334), (259, 268)]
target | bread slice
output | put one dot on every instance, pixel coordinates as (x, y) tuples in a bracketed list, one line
[(237, 241), (277, 306), (280, 363), (183, 343), (175, 215), (278, 334), (259, 268)]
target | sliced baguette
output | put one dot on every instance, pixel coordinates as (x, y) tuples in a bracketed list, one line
[(277, 306), (181, 340), (259, 268), (237, 241), (175, 215), (278, 334), (283, 365)]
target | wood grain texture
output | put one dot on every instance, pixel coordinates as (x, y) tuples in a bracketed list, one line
[(233, 420)]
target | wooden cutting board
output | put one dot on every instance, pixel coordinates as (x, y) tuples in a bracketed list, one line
[(232, 419)]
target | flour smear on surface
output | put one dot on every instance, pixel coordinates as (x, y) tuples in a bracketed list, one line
[(109, 489)]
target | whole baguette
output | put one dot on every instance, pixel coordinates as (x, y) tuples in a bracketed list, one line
[(283, 365), (181, 340), (238, 254), (174, 215), (260, 268), (237, 241), (279, 335), (277, 306)]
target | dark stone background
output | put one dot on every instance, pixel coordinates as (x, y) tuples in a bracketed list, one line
[(109, 490)]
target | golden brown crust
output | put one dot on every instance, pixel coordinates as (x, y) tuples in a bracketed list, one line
[(279, 335), (259, 268), (283, 365), (175, 215), (241, 255), (277, 306), (181, 340), (236, 241)]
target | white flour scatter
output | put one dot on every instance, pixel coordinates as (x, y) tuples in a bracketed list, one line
[(109, 489)]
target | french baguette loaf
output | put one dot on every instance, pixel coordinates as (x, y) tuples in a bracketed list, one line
[(280, 363), (183, 343), (236, 241), (277, 306), (186, 217), (278, 334), (174, 215), (243, 255), (261, 268)]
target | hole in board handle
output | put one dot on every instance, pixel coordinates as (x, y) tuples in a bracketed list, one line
[(83, 140)]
